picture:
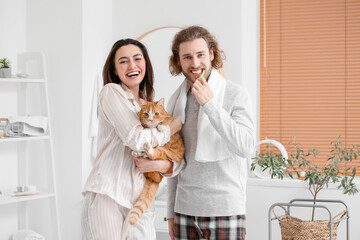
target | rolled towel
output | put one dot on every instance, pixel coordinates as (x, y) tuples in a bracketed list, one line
[(26, 125), (26, 234)]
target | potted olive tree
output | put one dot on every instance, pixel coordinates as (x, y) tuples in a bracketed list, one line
[(5, 68), (301, 164)]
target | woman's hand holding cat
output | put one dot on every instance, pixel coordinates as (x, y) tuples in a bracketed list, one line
[(202, 91), (175, 126), (147, 165), (161, 127)]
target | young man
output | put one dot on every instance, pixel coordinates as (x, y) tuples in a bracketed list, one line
[(207, 198)]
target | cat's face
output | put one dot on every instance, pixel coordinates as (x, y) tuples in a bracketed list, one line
[(152, 113)]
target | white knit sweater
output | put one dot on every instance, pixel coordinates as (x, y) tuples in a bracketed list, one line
[(215, 188)]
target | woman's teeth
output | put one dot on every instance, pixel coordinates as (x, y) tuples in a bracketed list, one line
[(133, 74)]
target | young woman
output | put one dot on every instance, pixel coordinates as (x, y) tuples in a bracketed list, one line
[(116, 179)]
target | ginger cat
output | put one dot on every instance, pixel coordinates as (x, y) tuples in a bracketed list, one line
[(153, 114)]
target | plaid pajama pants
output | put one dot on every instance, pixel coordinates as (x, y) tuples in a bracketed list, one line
[(211, 228)]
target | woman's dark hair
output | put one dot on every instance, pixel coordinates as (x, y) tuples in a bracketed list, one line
[(109, 76)]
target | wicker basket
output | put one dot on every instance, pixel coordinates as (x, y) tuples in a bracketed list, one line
[(293, 228)]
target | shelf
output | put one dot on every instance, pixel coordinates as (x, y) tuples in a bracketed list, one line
[(32, 87), (19, 139), (22, 80), (7, 199)]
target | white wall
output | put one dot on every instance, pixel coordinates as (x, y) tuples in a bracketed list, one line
[(13, 29)]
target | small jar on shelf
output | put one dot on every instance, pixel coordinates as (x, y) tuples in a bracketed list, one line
[(3, 122), (8, 129)]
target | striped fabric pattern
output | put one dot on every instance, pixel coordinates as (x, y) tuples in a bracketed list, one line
[(211, 228), (103, 218)]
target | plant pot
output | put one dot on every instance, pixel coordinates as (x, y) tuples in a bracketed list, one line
[(293, 228), (5, 72)]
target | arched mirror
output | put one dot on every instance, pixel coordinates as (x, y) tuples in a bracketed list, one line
[(158, 43)]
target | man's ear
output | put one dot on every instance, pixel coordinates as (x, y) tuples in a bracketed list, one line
[(161, 102), (212, 55)]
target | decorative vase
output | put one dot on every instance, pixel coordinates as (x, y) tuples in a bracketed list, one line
[(5, 72)]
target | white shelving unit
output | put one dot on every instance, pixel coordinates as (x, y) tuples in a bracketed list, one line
[(22, 80), (35, 158)]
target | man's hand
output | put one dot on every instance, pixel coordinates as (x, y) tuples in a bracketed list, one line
[(202, 91), (171, 228)]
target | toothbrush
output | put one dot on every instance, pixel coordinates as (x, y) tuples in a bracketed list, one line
[(203, 73)]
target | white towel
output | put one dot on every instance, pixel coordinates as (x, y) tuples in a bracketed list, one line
[(26, 125), (26, 234), (93, 128), (210, 146)]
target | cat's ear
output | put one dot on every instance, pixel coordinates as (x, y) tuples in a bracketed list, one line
[(161, 102), (142, 102)]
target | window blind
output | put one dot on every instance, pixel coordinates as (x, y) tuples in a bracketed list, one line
[(310, 73)]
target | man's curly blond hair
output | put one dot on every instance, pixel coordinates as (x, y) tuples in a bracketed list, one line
[(189, 34)]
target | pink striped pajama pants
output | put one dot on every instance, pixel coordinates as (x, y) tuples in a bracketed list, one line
[(103, 219)]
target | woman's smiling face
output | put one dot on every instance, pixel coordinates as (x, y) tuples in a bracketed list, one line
[(130, 65)]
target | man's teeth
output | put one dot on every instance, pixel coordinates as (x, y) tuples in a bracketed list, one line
[(197, 71)]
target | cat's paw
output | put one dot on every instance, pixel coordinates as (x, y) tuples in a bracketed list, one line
[(137, 154), (148, 149), (161, 127)]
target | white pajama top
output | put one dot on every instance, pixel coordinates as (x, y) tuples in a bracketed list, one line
[(120, 132)]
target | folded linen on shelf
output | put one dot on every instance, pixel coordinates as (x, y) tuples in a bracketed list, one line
[(26, 234), (26, 126)]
